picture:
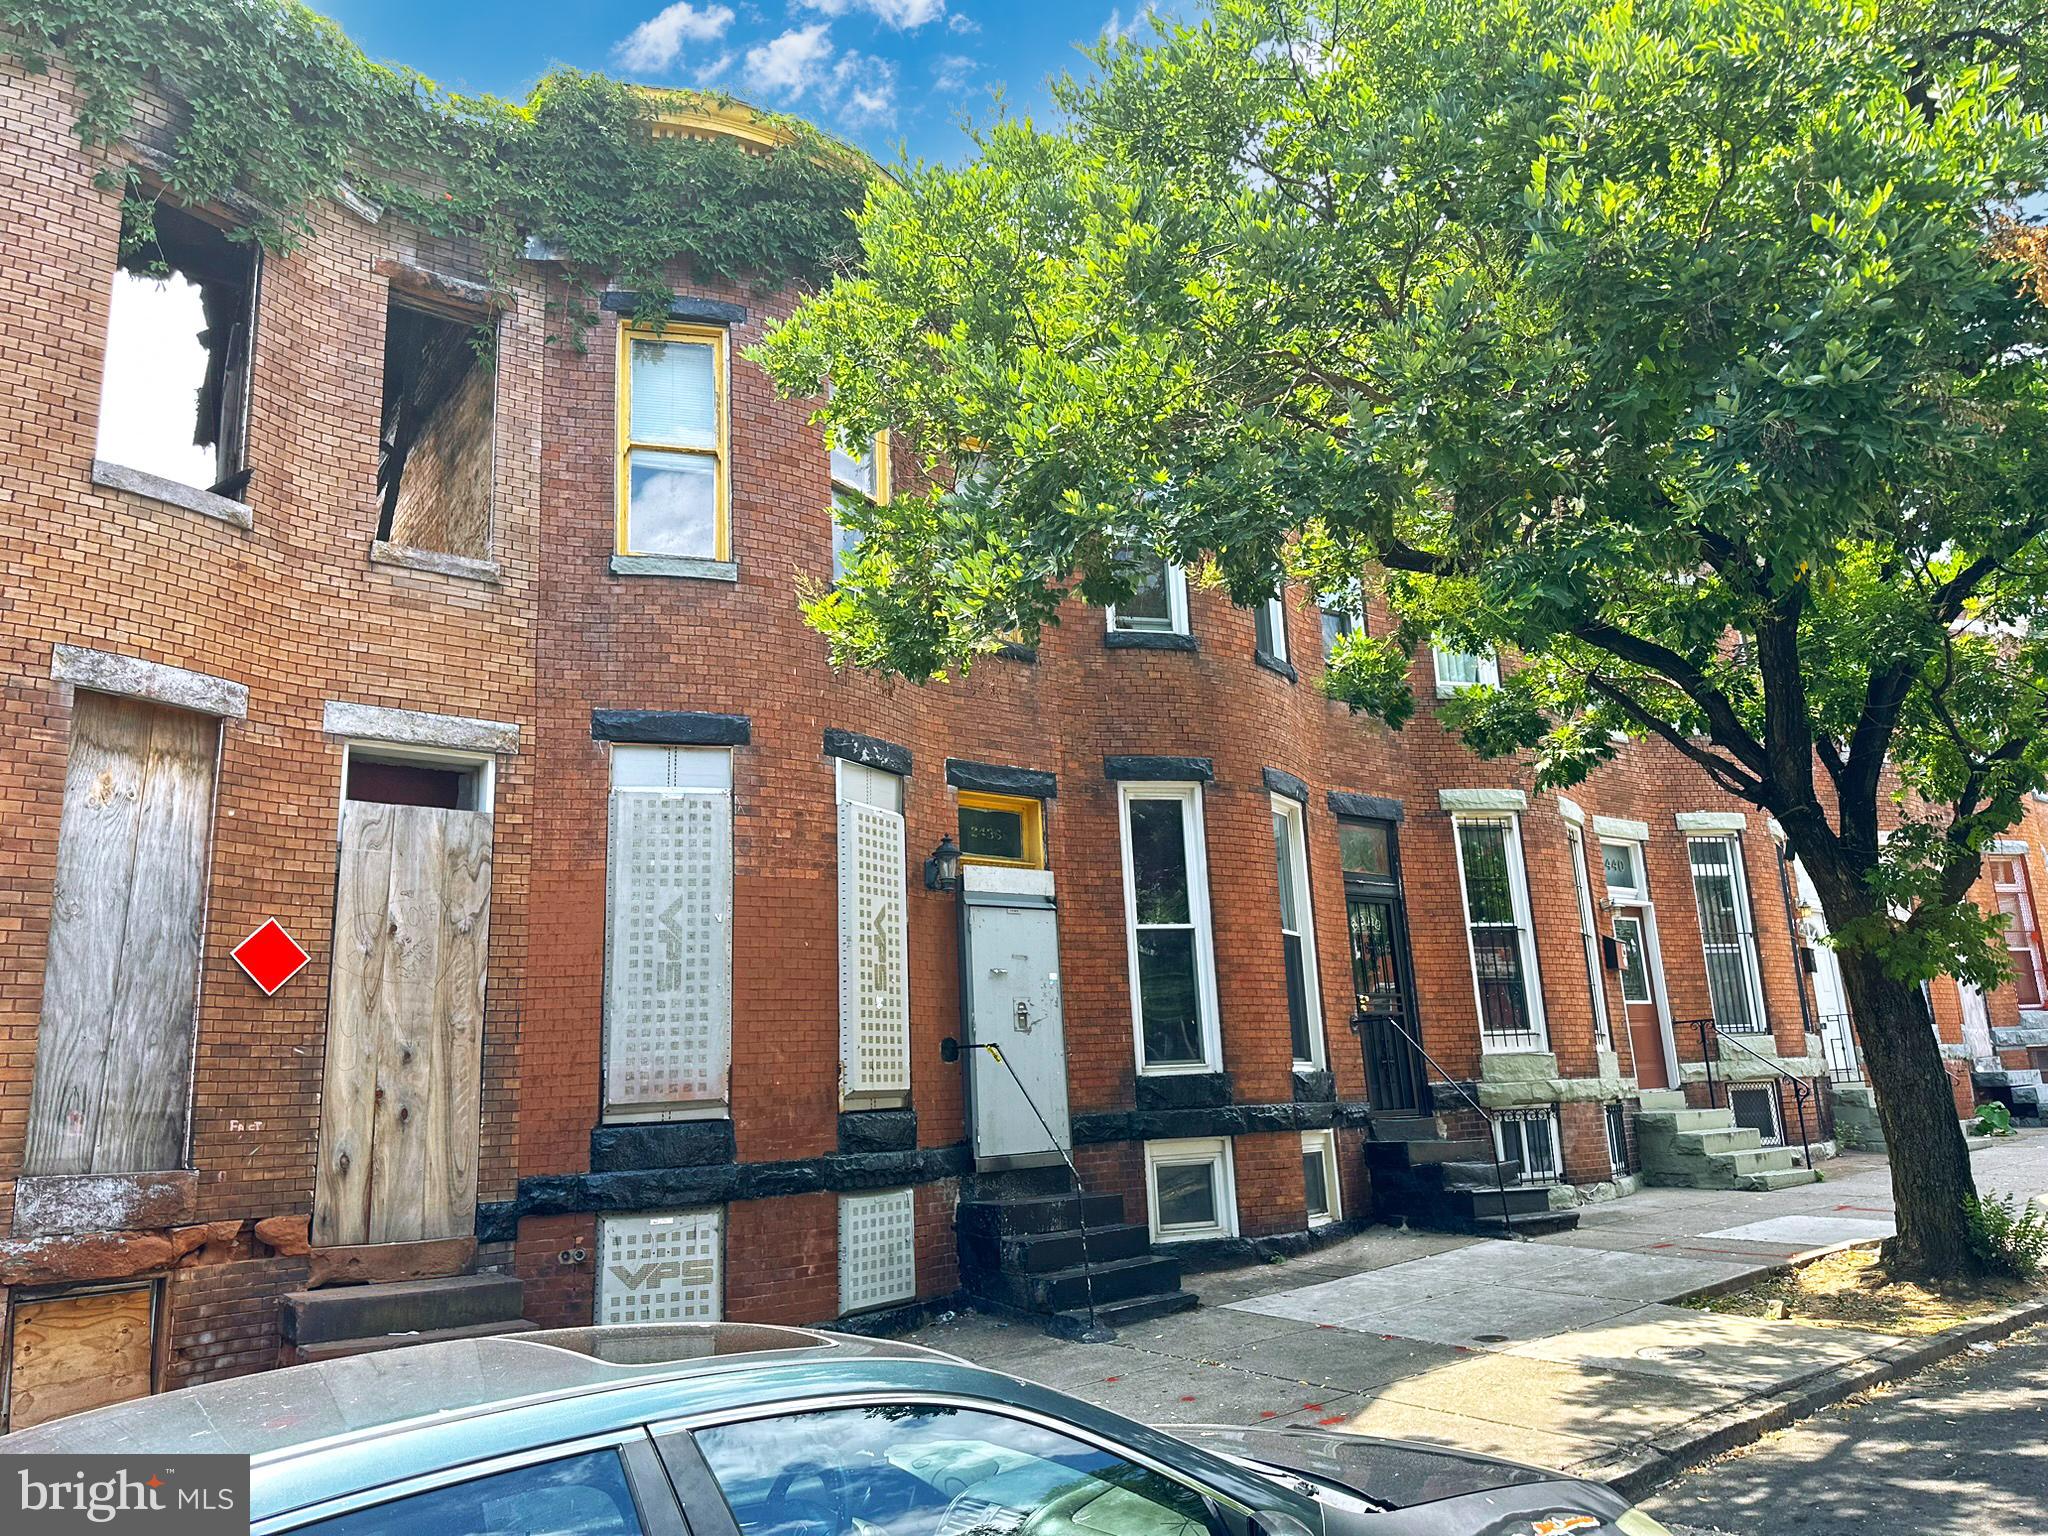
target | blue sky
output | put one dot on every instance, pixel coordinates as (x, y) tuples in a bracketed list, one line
[(883, 73)]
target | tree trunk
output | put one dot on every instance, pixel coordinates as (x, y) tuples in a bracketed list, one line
[(1930, 1161)]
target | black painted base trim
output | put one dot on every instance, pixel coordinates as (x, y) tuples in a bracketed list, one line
[(1184, 1090), (1317, 1085), (1213, 1120), (878, 1130), (672, 1144), (1229, 1252)]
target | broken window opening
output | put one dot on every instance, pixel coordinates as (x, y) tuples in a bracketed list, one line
[(434, 438), (174, 392), (401, 778)]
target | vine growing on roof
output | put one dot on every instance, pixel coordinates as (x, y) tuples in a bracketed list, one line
[(271, 106)]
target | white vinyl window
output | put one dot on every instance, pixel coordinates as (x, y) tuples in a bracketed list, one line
[(874, 970), (1727, 934), (1342, 613), (1166, 914), (1297, 934), (1465, 669), (1589, 938), (668, 1268), (668, 933), (1270, 622), (1621, 865), (1527, 1139), (1500, 935), (1190, 1189), (1319, 1177), (1160, 604), (877, 1250), (861, 476)]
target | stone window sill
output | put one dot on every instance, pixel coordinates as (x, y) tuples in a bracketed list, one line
[(172, 493), (687, 566), (440, 562), (1274, 664), (1147, 640)]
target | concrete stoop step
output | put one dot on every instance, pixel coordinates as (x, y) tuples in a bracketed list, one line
[(1048, 1252), (356, 1319), (1455, 1186), (1706, 1149), (1856, 1124)]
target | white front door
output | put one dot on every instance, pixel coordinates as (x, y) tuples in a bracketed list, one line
[(1013, 1004), (1976, 1026)]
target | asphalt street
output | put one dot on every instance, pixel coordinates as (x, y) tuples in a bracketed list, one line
[(1962, 1447)]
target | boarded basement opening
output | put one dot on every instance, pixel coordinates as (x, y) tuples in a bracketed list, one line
[(174, 390), (434, 440), (82, 1349)]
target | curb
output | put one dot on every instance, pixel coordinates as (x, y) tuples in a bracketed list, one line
[(1636, 1472)]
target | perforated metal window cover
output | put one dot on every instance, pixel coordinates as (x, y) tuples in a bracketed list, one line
[(877, 1250), (874, 973), (667, 1268)]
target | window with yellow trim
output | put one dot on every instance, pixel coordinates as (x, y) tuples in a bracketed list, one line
[(865, 475), (1007, 830), (674, 443)]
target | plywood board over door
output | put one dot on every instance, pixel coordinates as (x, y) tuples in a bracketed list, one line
[(120, 987), (399, 1112), (70, 1353)]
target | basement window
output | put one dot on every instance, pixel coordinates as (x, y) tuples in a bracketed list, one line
[(1526, 1140), (1755, 1107), (434, 436), (174, 393)]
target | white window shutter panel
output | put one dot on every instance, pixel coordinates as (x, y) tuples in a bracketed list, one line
[(877, 1250), (668, 971), (874, 972), (661, 1269)]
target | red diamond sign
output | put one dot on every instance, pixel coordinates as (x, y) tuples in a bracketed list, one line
[(271, 956)]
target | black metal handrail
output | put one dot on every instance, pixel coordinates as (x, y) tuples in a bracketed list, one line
[(1835, 1045), (1492, 1128), (1801, 1088)]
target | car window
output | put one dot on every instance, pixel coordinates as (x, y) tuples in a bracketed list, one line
[(931, 1470), (574, 1496)]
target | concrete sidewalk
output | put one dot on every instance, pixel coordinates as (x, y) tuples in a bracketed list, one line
[(1565, 1351)]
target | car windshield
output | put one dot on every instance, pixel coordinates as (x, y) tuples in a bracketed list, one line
[(938, 1471)]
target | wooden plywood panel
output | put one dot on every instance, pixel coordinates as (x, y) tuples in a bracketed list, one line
[(120, 983), (405, 1027), (71, 1353)]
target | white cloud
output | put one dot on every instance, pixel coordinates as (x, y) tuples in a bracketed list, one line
[(863, 90), (653, 45), (963, 24), (791, 64), (903, 15), (1116, 28), (953, 73), (708, 74)]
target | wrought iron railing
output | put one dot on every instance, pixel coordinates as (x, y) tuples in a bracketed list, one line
[(1838, 1046), (1492, 1127), (1802, 1089)]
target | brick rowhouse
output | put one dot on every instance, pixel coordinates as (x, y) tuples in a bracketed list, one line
[(425, 730)]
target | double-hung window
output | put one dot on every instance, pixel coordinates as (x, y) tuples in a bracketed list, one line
[(1464, 669), (874, 968), (1159, 605), (1297, 934), (1589, 939), (1342, 613), (1166, 908), (1270, 626), (2015, 897), (673, 480), (1500, 934), (668, 933), (1727, 934), (855, 476)]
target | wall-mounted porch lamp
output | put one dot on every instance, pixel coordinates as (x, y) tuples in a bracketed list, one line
[(942, 869)]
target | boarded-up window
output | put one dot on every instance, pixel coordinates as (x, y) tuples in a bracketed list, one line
[(175, 385), (434, 442), (661, 1269), (83, 1350), (668, 925), (120, 987), (877, 1250), (874, 972)]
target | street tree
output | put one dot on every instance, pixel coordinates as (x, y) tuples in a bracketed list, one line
[(1680, 350)]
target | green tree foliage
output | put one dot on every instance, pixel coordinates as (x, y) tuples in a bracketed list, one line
[(273, 106), (1659, 344)]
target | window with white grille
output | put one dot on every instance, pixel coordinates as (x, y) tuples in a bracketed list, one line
[(1500, 932), (1166, 912), (1526, 1139), (877, 1250), (661, 1269), (874, 970), (1727, 935), (1755, 1107), (668, 924)]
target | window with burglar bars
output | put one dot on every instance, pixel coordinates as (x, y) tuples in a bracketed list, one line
[(1755, 1107), (1727, 935), (1497, 924), (1589, 940), (1527, 1139), (1617, 1138)]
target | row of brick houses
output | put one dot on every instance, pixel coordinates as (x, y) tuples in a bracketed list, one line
[(629, 997)]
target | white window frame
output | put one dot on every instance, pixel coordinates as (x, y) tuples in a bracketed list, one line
[(1176, 607), (1615, 1119), (1311, 968), (1637, 895), (1518, 896), (1214, 1150), (1274, 611), (1775, 1136), (1589, 936), (1194, 839), (1545, 1113), (483, 764), (1325, 1143), (1348, 608), (1749, 948), (1485, 670), (700, 769)]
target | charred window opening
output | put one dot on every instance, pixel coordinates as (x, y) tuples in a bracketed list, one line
[(174, 396), (434, 442)]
